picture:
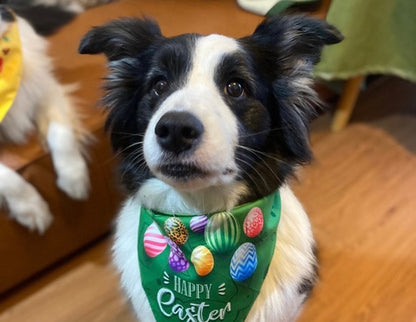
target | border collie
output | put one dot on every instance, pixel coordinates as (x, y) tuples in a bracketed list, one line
[(209, 130), (32, 99)]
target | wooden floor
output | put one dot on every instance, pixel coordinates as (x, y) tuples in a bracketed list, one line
[(360, 193)]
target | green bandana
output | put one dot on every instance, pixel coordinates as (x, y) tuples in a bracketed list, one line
[(207, 267)]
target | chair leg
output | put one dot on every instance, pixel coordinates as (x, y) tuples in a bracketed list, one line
[(346, 103)]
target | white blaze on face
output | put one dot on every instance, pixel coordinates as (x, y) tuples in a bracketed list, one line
[(201, 97)]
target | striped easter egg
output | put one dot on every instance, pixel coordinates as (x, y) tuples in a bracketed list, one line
[(244, 262), (222, 232), (198, 224), (154, 242)]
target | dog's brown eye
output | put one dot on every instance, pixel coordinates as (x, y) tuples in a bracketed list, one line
[(160, 87), (234, 89)]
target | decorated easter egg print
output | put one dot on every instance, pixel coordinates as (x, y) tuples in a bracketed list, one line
[(177, 260), (253, 223), (222, 232), (203, 260), (176, 230), (198, 224), (244, 262), (154, 242)]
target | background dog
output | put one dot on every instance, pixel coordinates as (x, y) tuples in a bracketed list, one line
[(205, 123), (42, 104)]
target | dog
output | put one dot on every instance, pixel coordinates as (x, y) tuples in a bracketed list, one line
[(33, 100), (207, 128)]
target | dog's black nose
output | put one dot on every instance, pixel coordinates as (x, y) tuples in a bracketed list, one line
[(178, 131)]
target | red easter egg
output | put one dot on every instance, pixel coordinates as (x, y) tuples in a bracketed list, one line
[(253, 223)]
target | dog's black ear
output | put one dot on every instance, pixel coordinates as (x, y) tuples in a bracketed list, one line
[(121, 38), (296, 37), (285, 49)]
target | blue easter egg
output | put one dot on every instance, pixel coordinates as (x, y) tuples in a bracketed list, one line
[(244, 262)]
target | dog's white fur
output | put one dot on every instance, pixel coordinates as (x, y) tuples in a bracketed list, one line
[(42, 104), (293, 260)]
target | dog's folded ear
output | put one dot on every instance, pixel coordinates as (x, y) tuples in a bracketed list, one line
[(296, 37), (287, 48), (126, 37)]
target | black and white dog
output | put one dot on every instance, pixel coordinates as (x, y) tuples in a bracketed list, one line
[(206, 123)]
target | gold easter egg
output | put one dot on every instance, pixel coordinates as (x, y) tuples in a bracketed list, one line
[(203, 260)]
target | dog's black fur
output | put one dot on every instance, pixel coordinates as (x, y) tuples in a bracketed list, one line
[(273, 113)]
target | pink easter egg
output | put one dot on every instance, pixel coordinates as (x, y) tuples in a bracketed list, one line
[(253, 223), (154, 242)]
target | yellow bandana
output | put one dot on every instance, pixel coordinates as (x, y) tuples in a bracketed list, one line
[(10, 68)]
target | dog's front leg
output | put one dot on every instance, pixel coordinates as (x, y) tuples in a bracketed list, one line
[(68, 161), (59, 124), (25, 204)]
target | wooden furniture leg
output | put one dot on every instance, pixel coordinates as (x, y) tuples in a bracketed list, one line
[(346, 103)]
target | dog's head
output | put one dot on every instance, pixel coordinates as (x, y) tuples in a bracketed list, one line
[(200, 111)]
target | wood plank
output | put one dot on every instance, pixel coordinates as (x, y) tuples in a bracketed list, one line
[(361, 199), (85, 288)]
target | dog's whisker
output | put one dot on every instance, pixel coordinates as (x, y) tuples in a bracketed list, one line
[(257, 152), (254, 169), (135, 159), (263, 132), (129, 134), (267, 166)]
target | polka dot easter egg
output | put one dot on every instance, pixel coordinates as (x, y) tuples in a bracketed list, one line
[(198, 224), (177, 260), (203, 260), (253, 223), (154, 242), (244, 262), (222, 232), (176, 230)]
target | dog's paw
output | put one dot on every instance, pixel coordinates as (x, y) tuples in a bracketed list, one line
[(31, 211), (75, 181)]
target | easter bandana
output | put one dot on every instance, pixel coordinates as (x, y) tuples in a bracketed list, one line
[(207, 267), (10, 67)]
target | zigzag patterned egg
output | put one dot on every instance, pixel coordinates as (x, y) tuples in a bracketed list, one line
[(176, 230), (203, 260), (177, 260), (253, 223), (222, 232), (154, 242), (198, 224), (244, 262)]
